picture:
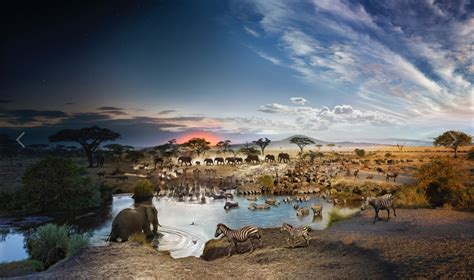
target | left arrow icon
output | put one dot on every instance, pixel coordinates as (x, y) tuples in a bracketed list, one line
[(18, 139)]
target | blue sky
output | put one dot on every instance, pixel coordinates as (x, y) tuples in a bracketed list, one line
[(332, 69)]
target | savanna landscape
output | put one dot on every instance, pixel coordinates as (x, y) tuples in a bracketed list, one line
[(237, 140)]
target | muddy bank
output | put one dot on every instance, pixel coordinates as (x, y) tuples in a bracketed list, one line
[(418, 243)]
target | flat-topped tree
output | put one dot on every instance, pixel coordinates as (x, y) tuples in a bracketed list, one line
[(198, 145), (89, 138), (301, 142), (331, 146), (453, 139), (224, 145), (262, 143)]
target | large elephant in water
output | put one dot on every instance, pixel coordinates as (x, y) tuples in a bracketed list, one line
[(184, 160), (130, 221)]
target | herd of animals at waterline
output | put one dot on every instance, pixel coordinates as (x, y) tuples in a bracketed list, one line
[(145, 219)]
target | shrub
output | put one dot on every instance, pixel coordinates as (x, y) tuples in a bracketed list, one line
[(266, 181), (443, 179), (143, 190), (20, 268), (336, 215), (411, 197), (56, 184), (360, 152), (51, 243), (470, 154)]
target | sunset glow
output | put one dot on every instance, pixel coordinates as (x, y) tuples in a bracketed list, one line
[(209, 136)]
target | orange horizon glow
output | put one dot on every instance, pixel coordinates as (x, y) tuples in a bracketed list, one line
[(209, 136)]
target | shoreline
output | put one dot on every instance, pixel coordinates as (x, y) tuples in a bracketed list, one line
[(410, 245)]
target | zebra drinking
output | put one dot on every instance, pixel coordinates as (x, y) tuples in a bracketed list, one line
[(295, 232), (384, 202), (238, 235)]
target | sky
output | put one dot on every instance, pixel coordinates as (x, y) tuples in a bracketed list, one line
[(154, 70)]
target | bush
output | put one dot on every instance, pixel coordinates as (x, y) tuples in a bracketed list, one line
[(335, 215), (412, 197), (444, 180), (143, 190), (19, 268), (51, 243), (56, 184), (470, 154), (266, 181)]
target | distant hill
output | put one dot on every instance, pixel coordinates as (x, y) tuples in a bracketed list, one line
[(285, 143)]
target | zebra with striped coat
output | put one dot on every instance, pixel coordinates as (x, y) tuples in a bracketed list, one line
[(295, 232), (238, 235), (384, 202)]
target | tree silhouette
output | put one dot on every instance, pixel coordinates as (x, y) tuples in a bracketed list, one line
[(171, 148), (262, 143), (89, 138), (224, 145), (198, 145), (319, 147), (453, 139), (301, 142), (9, 148)]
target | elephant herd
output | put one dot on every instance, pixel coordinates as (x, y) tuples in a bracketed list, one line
[(250, 159)]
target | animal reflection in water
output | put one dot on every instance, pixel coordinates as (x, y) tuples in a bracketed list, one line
[(238, 236), (130, 221)]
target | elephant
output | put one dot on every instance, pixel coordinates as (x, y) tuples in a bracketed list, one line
[(209, 161), (184, 160), (252, 159), (270, 158), (238, 160), (283, 157), (230, 160), (129, 221), (219, 160)]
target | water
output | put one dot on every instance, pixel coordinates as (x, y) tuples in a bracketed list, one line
[(186, 225)]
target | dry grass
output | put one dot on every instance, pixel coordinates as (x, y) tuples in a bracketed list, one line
[(336, 215), (411, 197)]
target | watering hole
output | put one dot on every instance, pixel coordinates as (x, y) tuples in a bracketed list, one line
[(186, 225)]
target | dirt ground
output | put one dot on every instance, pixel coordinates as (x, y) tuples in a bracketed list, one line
[(419, 243)]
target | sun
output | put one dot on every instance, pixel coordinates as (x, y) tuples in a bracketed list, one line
[(209, 136)]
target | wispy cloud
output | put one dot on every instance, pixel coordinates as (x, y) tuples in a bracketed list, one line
[(252, 32)]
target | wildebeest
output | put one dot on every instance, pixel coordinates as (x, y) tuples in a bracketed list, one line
[(229, 205), (185, 160), (393, 175), (283, 157)]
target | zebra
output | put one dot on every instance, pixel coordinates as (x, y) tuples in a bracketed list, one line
[(295, 232), (384, 202), (238, 235)]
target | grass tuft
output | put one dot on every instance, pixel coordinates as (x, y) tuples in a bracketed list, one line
[(336, 215)]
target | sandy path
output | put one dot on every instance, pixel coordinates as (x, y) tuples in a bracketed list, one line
[(418, 243)]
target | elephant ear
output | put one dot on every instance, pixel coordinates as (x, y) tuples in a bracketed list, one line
[(150, 214)]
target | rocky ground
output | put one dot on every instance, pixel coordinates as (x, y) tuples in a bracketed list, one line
[(416, 244)]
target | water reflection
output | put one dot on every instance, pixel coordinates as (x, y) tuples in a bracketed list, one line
[(186, 225)]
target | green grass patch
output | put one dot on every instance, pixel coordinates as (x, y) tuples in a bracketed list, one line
[(336, 215), (20, 268)]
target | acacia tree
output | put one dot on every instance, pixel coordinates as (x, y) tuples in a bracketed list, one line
[(248, 150), (89, 138), (319, 147), (224, 145), (453, 139), (262, 143), (331, 146), (198, 145), (301, 142)]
